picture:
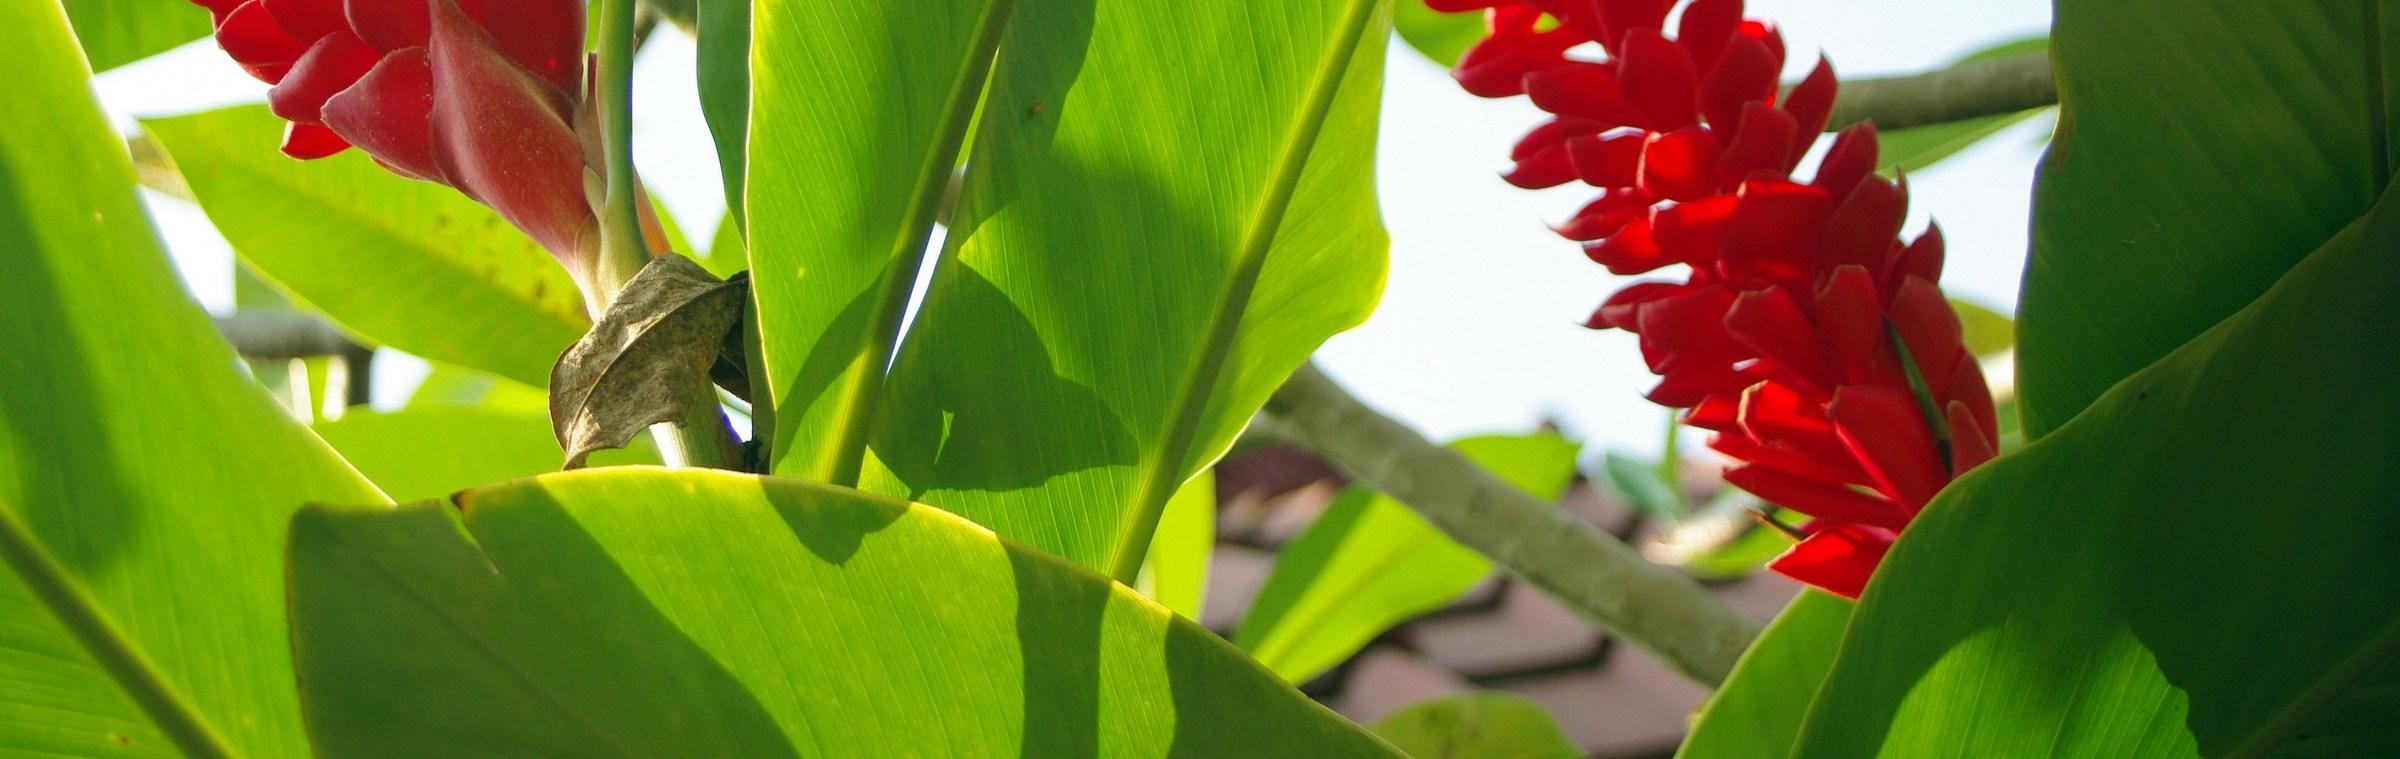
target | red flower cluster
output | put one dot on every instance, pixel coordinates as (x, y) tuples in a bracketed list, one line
[(481, 95), (1811, 340)]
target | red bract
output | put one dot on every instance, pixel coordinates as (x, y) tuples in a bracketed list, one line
[(480, 95), (1814, 343)]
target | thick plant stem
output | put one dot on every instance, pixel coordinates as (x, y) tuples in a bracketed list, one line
[(704, 438), (1964, 91), (1600, 578)]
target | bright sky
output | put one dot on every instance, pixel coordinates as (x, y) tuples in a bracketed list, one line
[(1478, 330)]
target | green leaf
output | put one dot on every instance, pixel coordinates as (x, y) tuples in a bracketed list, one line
[(2201, 562), (144, 482), (571, 615), (723, 40), (1369, 563), (1441, 37), (1757, 711), (2163, 208), (1477, 726), (412, 265), (430, 451), (1140, 256), (858, 117), (453, 385), (1641, 483), (1176, 573), (118, 32)]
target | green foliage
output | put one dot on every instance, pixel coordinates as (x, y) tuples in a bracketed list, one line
[(1138, 258), (429, 451), (1369, 563), (412, 265), (1477, 726), (2203, 149), (1986, 332), (564, 616), (118, 32), (2174, 571), (1758, 710), (723, 39), (857, 129), (1176, 572), (144, 482), (1642, 484)]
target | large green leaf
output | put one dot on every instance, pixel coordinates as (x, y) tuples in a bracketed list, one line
[(723, 42), (412, 265), (2203, 561), (2202, 149), (1757, 712), (118, 32), (1369, 563), (857, 117), (144, 482), (1165, 213), (429, 450), (1477, 726), (1176, 572), (645, 612)]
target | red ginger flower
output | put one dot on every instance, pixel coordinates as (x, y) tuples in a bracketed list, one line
[(1811, 341), (482, 95)]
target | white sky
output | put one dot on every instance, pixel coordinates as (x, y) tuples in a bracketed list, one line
[(1478, 330)]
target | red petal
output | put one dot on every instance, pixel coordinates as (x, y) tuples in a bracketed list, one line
[(1740, 445), (1850, 317), (1772, 235), (1681, 165), (1773, 325), (387, 114), (311, 141), (1541, 155), (388, 25), (1631, 250), (1759, 147), (543, 36), (1887, 432), (1612, 161), (500, 138), (1747, 75), (308, 20), (1624, 307), (1607, 215), (1687, 327), (1620, 17), (333, 64), (1694, 232), (1851, 160), (1462, 6), (256, 42), (1810, 104), (1930, 329), (1817, 498), (1787, 421), (1706, 28), (1970, 445), (1838, 559), (1687, 388), (1581, 90), (1496, 67), (1717, 412), (1923, 258), (1657, 77), (1764, 34), (1863, 229), (1965, 384)]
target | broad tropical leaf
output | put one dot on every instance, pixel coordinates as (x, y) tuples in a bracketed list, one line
[(118, 32), (1369, 563), (2202, 149), (1757, 711), (429, 451), (856, 119), (1164, 214), (412, 265), (1176, 573), (2201, 562), (695, 613), (144, 482)]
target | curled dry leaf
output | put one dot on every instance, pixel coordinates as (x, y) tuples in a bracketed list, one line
[(646, 359)]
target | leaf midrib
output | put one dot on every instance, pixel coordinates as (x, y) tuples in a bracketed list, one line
[(1159, 474)]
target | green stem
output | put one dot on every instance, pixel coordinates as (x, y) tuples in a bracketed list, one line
[(1670, 464), (1585, 569), (704, 438)]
